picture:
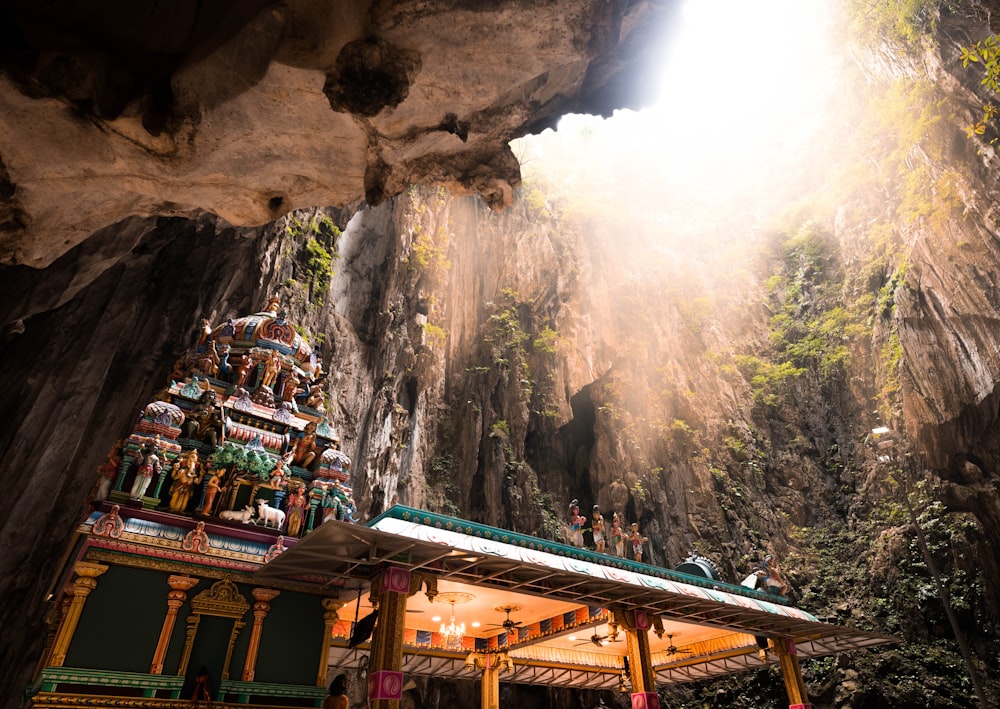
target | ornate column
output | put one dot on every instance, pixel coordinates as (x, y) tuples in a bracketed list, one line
[(330, 618), (385, 676), (86, 581), (636, 624), (491, 664), (179, 586), (54, 620), (261, 607), (237, 627), (784, 648), (190, 630)]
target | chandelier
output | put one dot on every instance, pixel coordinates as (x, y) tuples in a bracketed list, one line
[(452, 633)]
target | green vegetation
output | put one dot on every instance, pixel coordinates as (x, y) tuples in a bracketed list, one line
[(430, 234), (986, 54), (547, 341), (441, 489), (904, 21), (434, 336), (507, 337), (318, 235), (500, 430)]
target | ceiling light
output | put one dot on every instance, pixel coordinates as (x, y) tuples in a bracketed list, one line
[(475, 624), (572, 638), (453, 632), (436, 619)]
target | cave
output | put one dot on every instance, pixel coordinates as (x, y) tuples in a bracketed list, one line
[(150, 162)]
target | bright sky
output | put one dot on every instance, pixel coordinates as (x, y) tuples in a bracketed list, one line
[(744, 84)]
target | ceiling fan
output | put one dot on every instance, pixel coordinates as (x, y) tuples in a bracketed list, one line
[(599, 640), (508, 625), (673, 649)]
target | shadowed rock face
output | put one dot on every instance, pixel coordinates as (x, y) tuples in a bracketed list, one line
[(117, 118), (249, 110)]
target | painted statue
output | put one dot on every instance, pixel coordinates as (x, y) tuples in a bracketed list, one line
[(149, 466), (304, 451), (209, 491), (576, 522), (279, 476), (637, 540), (617, 535), (186, 474), (272, 365), (243, 371), (223, 369), (330, 504), (204, 423), (296, 507), (768, 577), (108, 470), (597, 528)]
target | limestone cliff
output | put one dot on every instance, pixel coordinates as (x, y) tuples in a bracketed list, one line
[(250, 110), (498, 364)]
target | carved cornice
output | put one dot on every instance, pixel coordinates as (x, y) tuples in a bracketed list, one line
[(222, 599)]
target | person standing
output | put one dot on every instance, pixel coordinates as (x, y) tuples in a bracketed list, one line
[(337, 698)]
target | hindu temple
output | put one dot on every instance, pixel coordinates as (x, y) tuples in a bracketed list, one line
[(222, 563)]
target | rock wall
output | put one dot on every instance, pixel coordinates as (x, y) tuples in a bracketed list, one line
[(250, 110)]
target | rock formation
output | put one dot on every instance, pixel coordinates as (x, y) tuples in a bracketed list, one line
[(498, 364), (250, 110), (124, 127)]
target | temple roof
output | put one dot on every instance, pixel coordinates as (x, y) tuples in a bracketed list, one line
[(560, 594)]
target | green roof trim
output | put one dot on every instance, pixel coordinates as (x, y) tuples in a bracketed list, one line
[(505, 536)]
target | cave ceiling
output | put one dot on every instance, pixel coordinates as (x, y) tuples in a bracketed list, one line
[(111, 109)]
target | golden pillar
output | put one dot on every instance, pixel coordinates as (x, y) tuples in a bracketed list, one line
[(330, 618), (86, 581), (491, 664), (179, 586), (193, 621), (385, 676), (636, 624), (795, 686), (54, 620), (261, 607)]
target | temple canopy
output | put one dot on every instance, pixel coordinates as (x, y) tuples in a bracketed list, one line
[(557, 599)]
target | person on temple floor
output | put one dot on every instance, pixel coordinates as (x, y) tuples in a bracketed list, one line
[(202, 691), (576, 521), (597, 528), (637, 541), (337, 698)]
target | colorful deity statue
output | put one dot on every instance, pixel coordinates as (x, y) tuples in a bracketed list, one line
[(108, 470), (211, 488), (304, 450), (637, 541), (296, 509), (186, 474), (576, 522), (272, 365), (204, 422), (768, 577), (149, 467), (597, 528), (617, 535)]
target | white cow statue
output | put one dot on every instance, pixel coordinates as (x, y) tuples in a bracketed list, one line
[(243, 515), (268, 514)]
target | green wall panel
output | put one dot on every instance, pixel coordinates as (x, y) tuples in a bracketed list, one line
[(121, 621), (291, 640)]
